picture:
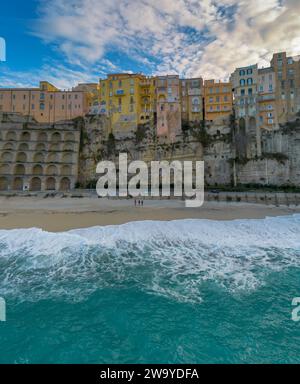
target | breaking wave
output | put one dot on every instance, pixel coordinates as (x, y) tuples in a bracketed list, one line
[(174, 259)]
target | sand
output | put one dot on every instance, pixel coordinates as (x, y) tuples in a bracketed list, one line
[(60, 214)]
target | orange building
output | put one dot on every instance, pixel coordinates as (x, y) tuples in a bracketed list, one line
[(218, 99), (46, 104)]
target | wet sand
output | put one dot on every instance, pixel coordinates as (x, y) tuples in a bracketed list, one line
[(60, 214)]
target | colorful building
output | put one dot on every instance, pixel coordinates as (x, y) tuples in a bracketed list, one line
[(128, 99), (217, 100), (168, 106), (46, 104), (287, 73), (192, 94), (267, 114)]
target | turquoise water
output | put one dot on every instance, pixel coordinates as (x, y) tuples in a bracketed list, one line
[(187, 291)]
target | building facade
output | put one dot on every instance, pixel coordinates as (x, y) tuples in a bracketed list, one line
[(287, 73), (267, 111), (168, 106), (192, 93), (38, 157), (128, 100), (46, 104), (217, 100)]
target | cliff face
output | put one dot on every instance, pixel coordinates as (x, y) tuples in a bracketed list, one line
[(230, 156)]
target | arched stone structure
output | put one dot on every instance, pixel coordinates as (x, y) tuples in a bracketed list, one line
[(56, 137), (9, 146), (54, 147), (25, 136), (18, 184), (51, 170), (68, 147), (3, 183), (11, 136), (40, 147), (7, 156), (52, 157), (67, 158), (19, 169), (21, 157), (37, 170), (50, 184), (35, 184), (65, 184), (39, 157)]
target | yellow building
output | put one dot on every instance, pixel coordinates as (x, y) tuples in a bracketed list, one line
[(128, 99), (217, 99), (192, 94), (46, 104)]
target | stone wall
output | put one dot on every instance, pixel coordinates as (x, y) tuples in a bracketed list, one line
[(37, 157)]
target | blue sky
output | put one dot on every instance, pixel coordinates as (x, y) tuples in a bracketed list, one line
[(71, 41)]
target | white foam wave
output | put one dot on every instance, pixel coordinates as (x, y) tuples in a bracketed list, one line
[(173, 259)]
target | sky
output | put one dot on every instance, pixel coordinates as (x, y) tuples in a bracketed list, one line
[(71, 41)]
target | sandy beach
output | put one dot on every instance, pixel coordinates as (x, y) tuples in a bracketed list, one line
[(60, 214)]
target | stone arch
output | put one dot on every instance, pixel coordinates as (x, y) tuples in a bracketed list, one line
[(54, 147), (52, 170), (25, 136), (8, 146), (65, 184), (39, 157), (6, 156), (4, 169), (43, 137), (40, 147), (56, 137), (19, 169), (52, 157), (23, 147), (67, 158), (66, 170), (11, 136), (17, 184), (3, 184), (21, 157), (68, 147), (37, 169), (35, 184), (69, 136), (50, 184)]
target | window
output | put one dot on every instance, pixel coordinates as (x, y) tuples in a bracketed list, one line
[(250, 91), (242, 82), (242, 72), (217, 99), (250, 81), (76, 97), (131, 81), (42, 106), (24, 97), (32, 106), (270, 121), (42, 96), (210, 90), (261, 88), (249, 71), (120, 83), (225, 98), (211, 99), (242, 92), (270, 114), (131, 91), (290, 60), (270, 87)]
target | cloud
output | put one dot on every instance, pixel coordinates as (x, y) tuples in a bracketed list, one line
[(189, 37)]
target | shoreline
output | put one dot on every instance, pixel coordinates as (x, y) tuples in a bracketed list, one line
[(63, 214)]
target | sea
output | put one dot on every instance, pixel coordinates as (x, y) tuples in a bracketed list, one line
[(184, 291)]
